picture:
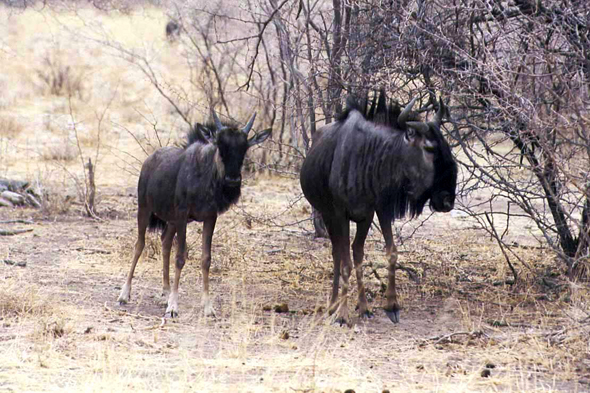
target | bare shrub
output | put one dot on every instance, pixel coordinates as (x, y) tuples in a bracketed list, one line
[(517, 78), (62, 153), (52, 327), (53, 204), (59, 78)]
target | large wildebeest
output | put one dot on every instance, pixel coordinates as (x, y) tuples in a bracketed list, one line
[(375, 162), (195, 183)]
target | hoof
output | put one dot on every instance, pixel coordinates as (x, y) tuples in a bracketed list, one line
[(367, 315), (341, 321), (171, 314), (393, 315)]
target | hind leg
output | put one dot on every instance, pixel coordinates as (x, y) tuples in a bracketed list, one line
[(358, 252), (172, 309), (167, 238), (143, 216), (208, 228), (336, 266)]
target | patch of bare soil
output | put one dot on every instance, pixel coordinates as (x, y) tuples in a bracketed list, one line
[(61, 328)]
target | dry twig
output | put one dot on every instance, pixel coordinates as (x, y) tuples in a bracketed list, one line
[(6, 232)]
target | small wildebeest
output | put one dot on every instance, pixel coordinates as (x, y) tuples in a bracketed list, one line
[(195, 183), (172, 30), (375, 162)]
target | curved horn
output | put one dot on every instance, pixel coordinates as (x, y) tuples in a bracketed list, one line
[(418, 126), (218, 124), (440, 113), (248, 126), (403, 117)]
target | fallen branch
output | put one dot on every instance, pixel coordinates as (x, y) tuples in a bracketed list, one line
[(5, 232), (93, 250), (17, 222), (449, 337), (13, 263)]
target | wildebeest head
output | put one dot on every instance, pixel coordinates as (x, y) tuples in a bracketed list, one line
[(442, 191), (232, 144)]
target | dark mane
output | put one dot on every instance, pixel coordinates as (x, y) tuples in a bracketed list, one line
[(382, 110), (195, 136)]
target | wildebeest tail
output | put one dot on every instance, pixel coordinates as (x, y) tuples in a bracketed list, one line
[(156, 224)]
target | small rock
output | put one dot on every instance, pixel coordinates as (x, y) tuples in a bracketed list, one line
[(281, 308), (33, 201), (266, 308), (349, 391), (490, 365), (13, 197), (284, 335), (485, 373), (5, 202)]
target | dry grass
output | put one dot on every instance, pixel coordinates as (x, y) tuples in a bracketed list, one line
[(22, 301), (10, 127), (60, 329), (62, 153)]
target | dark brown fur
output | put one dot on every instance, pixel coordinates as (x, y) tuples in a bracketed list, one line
[(196, 182), (375, 162)]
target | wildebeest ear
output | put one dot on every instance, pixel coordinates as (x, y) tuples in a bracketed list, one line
[(259, 137), (207, 133)]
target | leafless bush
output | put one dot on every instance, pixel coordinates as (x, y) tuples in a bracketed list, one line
[(59, 78), (517, 76), (63, 153)]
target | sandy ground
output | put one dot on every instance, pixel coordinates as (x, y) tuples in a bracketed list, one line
[(76, 337)]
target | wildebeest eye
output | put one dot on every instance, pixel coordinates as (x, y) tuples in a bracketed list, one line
[(429, 146)]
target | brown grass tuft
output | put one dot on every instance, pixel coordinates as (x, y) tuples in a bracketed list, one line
[(18, 300), (63, 153), (10, 127), (59, 78)]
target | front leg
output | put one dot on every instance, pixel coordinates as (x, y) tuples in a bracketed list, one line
[(208, 228), (392, 308)]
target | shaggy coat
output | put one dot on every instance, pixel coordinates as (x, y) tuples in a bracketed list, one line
[(375, 162), (196, 182)]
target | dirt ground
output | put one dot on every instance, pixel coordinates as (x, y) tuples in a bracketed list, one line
[(61, 328), (70, 334)]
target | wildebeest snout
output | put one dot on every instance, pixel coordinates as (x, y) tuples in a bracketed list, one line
[(443, 202), (233, 181)]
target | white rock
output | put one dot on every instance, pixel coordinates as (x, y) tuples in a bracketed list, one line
[(13, 197)]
